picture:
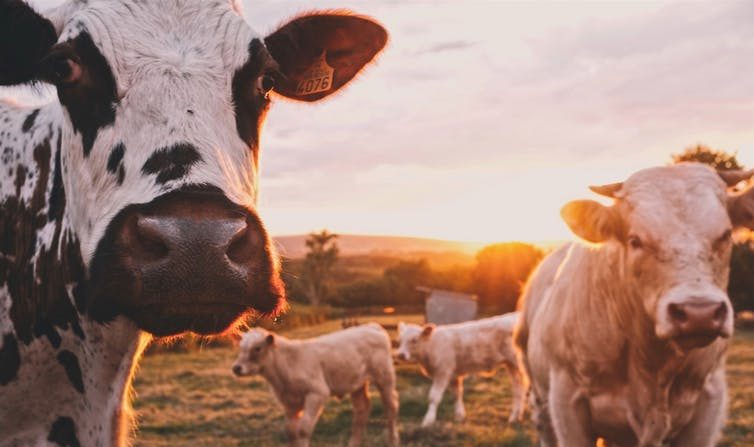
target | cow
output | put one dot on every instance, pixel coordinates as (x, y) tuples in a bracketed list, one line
[(624, 332), (303, 374), (127, 205), (447, 353)]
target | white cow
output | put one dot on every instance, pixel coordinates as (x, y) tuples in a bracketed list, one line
[(448, 353), (624, 337), (303, 374)]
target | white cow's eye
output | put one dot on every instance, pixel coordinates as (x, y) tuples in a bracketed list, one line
[(724, 238), (265, 84), (635, 242)]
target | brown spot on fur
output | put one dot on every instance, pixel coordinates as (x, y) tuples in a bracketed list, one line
[(37, 305)]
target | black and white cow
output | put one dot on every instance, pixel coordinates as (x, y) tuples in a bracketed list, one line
[(127, 207)]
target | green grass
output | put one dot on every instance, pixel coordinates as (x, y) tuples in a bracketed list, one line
[(192, 399)]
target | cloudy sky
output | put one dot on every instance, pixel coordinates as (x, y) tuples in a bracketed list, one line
[(481, 119)]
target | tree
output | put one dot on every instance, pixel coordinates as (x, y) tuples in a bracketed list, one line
[(403, 278), (318, 264), (741, 286), (500, 272), (396, 286), (700, 153)]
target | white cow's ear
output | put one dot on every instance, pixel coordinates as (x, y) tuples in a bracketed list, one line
[(591, 220), (318, 53), (270, 339), (428, 329), (741, 208)]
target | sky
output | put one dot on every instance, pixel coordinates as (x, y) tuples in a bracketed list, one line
[(481, 118)]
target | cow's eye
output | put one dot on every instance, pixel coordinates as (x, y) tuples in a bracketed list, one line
[(265, 84), (635, 242), (62, 69)]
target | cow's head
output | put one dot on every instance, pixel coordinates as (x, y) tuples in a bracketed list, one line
[(163, 103), (673, 228), (412, 339), (255, 347)]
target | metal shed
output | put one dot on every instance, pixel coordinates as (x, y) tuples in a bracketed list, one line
[(446, 307)]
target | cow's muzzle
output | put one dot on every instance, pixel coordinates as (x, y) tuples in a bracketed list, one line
[(188, 261), (698, 322)]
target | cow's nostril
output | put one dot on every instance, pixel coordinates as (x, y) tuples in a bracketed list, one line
[(243, 246), (237, 370), (677, 313), (721, 312), (148, 244)]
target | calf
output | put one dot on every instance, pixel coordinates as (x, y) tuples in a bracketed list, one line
[(304, 373), (448, 353), (624, 337), (127, 205)]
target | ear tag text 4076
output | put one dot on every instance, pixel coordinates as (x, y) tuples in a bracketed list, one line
[(317, 79)]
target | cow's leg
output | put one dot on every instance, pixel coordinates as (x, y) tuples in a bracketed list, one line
[(436, 391), (519, 393), (457, 388), (313, 404), (291, 427), (706, 424), (389, 396), (569, 412), (361, 406), (292, 419), (541, 419)]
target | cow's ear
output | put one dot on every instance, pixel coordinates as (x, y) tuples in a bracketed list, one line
[(741, 208), (591, 220), (319, 53), (427, 330), (270, 339), (25, 38)]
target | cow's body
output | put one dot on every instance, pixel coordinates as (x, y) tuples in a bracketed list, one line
[(61, 373), (604, 334), (447, 353), (303, 374), (127, 206)]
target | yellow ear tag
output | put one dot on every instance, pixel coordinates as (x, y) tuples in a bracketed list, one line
[(317, 79)]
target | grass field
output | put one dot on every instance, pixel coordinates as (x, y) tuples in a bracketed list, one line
[(192, 399)]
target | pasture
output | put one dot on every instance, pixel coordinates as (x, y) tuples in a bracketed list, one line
[(193, 399)]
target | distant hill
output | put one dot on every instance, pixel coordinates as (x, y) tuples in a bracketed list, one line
[(355, 244)]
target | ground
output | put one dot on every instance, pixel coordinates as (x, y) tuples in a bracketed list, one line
[(193, 399)]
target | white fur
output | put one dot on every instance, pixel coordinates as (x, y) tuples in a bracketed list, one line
[(453, 351), (595, 334), (303, 374), (161, 70)]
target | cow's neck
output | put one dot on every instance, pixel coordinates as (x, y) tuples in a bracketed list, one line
[(655, 370), (617, 346), (279, 368), (616, 329), (63, 377)]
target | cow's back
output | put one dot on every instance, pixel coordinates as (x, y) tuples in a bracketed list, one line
[(534, 294), (349, 357), (473, 346)]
